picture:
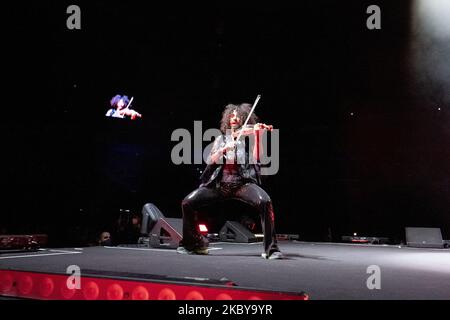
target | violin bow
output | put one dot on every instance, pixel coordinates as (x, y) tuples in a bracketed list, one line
[(249, 115), (129, 103)]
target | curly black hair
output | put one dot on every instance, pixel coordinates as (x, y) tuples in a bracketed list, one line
[(243, 110)]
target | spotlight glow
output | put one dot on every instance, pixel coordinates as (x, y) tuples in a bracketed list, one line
[(430, 49), (433, 17)]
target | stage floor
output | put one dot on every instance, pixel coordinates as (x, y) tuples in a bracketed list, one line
[(322, 270)]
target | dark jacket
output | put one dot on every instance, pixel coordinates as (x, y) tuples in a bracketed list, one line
[(212, 175)]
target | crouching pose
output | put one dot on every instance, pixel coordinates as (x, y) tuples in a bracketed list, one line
[(230, 174)]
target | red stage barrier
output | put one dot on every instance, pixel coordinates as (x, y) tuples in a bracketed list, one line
[(32, 285)]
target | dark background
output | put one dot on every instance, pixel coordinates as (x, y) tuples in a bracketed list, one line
[(360, 150)]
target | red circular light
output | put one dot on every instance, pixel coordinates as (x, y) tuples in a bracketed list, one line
[(194, 295), (6, 282), (224, 296), (66, 292), (140, 293), (91, 291), (25, 284), (166, 294), (254, 298), (46, 287), (114, 292)]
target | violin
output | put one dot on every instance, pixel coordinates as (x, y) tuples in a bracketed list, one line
[(252, 129), (130, 112)]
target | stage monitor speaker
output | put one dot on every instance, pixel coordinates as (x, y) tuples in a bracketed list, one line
[(150, 216), (233, 231), (424, 237), (446, 244), (166, 233)]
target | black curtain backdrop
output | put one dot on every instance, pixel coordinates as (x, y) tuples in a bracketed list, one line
[(359, 150)]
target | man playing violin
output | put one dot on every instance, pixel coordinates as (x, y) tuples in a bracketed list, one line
[(120, 108), (231, 173)]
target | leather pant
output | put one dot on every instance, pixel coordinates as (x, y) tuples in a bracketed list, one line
[(249, 193)]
